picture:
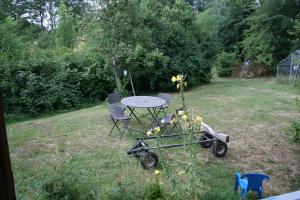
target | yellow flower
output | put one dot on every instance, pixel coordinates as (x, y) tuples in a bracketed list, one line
[(181, 172), (157, 129), (173, 121), (174, 79), (177, 86), (180, 112), (157, 172), (198, 119), (179, 77), (149, 133), (185, 117), (185, 84), (186, 125)]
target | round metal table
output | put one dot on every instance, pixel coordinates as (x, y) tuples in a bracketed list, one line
[(152, 104)]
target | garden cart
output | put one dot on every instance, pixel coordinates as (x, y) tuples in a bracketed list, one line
[(208, 138)]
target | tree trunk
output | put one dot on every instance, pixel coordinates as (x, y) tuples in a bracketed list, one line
[(7, 187), (115, 70)]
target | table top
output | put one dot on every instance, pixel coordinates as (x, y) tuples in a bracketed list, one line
[(143, 101)]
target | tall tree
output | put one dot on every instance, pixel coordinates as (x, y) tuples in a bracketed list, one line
[(149, 37), (112, 34), (234, 13), (65, 35), (267, 39), (10, 42), (7, 8), (295, 33)]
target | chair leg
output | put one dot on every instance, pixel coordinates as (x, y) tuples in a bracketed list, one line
[(244, 193), (125, 127), (118, 128), (259, 194), (115, 125), (165, 110), (112, 127), (236, 184)]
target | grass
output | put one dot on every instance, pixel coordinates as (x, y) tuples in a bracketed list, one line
[(75, 147)]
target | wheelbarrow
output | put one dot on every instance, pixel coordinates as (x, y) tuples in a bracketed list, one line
[(208, 138)]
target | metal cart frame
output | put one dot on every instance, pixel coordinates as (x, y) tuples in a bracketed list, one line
[(208, 138)]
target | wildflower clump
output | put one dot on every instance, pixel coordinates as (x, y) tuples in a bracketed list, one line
[(153, 131), (189, 125), (157, 172), (179, 79)]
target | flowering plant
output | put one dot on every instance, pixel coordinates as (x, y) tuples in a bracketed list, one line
[(188, 125)]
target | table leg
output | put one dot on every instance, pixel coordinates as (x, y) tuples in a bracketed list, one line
[(157, 113), (154, 115), (132, 113)]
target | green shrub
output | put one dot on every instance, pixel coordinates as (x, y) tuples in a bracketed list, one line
[(153, 191), (59, 189), (224, 64), (53, 80), (295, 131)]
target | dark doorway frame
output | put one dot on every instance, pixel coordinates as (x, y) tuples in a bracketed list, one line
[(7, 186)]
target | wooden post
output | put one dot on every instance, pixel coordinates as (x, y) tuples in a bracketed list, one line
[(131, 84), (7, 187)]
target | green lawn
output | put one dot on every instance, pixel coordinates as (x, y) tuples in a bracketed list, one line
[(75, 146)]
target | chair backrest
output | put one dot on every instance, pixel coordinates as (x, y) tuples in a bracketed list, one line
[(239, 181), (255, 180), (165, 96), (115, 110), (113, 98)]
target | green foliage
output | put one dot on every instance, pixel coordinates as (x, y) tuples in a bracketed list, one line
[(46, 40), (267, 39), (233, 15), (65, 33), (60, 189), (295, 131), (153, 191), (295, 127), (151, 39), (156, 40), (42, 84), (64, 184), (295, 32), (224, 64), (10, 42), (208, 28)]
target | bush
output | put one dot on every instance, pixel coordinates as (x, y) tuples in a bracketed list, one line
[(153, 191), (295, 131), (224, 64), (52, 80)]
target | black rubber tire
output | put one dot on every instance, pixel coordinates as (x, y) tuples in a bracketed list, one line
[(203, 138), (219, 149), (139, 153), (149, 160)]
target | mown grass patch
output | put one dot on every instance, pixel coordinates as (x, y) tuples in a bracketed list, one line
[(72, 152)]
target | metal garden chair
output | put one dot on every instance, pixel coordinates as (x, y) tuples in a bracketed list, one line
[(167, 98), (117, 115), (169, 121), (115, 98)]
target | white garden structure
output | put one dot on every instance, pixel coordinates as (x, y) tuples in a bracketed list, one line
[(288, 69)]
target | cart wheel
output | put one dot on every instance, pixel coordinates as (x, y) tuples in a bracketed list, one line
[(149, 160), (219, 149), (139, 153), (203, 137)]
